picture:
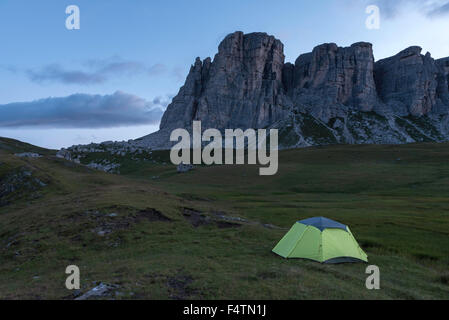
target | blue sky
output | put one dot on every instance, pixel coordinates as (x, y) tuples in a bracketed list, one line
[(138, 52)]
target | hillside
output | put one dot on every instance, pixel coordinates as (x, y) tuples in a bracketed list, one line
[(208, 233)]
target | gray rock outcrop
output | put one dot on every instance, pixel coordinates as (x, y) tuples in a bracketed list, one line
[(241, 88), (331, 95), (28, 155), (100, 291), (339, 75), (411, 83), (444, 65), (243, 84)]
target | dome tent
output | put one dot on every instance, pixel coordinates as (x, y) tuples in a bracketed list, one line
[(322, 240)]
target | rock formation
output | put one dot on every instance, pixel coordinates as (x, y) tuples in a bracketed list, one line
[(444, 65), (28, 155), (239, 88), (331, 95), (411, 83), (339, 75)]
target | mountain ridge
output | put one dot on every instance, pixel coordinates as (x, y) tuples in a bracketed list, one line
[(330, 95)]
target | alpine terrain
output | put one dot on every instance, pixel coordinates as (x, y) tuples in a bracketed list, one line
[(332, 95)]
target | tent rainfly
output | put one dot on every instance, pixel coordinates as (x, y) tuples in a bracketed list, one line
[(322, 240)]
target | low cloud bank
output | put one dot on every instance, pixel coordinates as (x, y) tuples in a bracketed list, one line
[(84, 111), (97, 71)]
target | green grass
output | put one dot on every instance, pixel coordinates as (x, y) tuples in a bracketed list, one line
[(14, 146), (394, 198)]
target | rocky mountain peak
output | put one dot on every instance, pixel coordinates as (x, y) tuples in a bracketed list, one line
[(239, 87), (339, 75), (411, 83), (330, 95), (410, 52)]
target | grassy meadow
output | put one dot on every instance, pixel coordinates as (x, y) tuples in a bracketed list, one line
[(208, 233)]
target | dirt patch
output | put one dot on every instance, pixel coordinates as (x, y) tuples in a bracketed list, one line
[(151, 215), (235, 221), (371, 244), (107, 220), (179, 287), (227, 225), (197, 219)]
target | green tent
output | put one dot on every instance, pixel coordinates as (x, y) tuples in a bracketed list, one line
[(320, 239)]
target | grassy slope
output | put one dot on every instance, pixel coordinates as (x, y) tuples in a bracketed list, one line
[(397, 209)]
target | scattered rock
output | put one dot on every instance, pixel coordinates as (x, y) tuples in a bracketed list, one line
[(76, 293), (270, 226), (151, 215), (224, 217), (183, 168), (28, 155), (118, 150), (227, 225), (19, 183), (64, 154), (102, 233), (107, 223), (197, 219), (101, 291), (106, 166)]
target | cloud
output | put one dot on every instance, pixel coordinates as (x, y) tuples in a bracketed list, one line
[(94, 71), (179, 73), (55, 73), (84, 111), (440, 10), (163, 101), (157, 69), (9, 68), (430, 8)]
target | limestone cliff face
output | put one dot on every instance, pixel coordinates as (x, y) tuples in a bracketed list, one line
[(444, 65), (411, 83), (341, 75), (331, 95), (241, 88)]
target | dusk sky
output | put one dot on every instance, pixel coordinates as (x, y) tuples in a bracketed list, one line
[(112, 78)]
